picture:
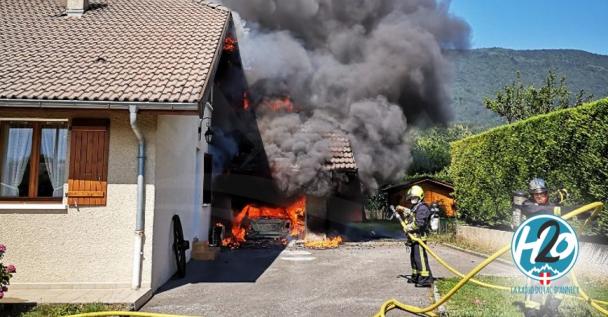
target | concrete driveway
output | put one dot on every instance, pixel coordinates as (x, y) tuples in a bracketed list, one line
[(353, 280)]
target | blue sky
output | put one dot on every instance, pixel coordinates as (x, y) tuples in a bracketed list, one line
[(536, 24)]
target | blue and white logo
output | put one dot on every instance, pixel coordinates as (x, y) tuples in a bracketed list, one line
[(544, 247)]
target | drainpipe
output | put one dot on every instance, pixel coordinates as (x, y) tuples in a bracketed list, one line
[(138, 246)]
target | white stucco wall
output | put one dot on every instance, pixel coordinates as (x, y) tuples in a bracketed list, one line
[(86, 247), (177, 142)]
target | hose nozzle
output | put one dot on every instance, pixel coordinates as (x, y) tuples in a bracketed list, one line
[(396, 214)]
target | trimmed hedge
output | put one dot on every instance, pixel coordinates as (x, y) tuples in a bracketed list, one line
[(568, 148)]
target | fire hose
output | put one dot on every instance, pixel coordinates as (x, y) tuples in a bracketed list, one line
[(391, 304)]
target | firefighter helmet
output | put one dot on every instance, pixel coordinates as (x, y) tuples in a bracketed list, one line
[(415, 191), (537, 186)]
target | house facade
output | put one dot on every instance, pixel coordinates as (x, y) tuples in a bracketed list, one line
[(105, 107)]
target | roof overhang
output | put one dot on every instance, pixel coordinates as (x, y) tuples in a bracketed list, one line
[(208, 85), (96, 105), (412, 182)]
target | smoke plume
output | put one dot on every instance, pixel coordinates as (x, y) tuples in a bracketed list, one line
[(363, 68)]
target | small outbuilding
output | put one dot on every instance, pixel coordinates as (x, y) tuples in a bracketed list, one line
[(435, 191)]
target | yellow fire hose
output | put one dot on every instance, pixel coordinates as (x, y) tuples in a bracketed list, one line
[(394, 304)]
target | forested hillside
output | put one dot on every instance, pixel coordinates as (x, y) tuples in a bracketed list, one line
[(480, 73)]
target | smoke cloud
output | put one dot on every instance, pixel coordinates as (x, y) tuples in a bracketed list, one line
[(363, 68)]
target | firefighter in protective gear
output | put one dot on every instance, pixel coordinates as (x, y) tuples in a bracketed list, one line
[(539, 204), (419, 227)]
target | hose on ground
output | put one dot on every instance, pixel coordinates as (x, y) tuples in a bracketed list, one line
[(391, 304)]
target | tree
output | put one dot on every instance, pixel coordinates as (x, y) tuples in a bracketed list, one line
[(515, 102), (431, 150), (375, 206)]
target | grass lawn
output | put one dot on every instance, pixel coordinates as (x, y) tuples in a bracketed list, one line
[(473, 300), (57, 310)]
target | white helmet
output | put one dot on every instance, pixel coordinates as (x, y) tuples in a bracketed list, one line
[(537, 186)]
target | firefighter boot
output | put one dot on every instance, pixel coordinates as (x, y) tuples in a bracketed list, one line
[(425, 281), (413, 279)]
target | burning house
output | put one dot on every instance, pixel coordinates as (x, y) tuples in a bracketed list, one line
[(323, 110), (116, 115), (248, 202)]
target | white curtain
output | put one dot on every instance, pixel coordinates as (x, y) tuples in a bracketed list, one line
[(54, 149), (16, 158)]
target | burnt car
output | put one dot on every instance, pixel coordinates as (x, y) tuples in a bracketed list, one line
[(268, 228)]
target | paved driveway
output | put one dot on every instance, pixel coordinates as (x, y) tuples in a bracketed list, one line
[(353, 280)]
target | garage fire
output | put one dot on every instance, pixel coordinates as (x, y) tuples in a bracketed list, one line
[(309, 217), (310, 110)]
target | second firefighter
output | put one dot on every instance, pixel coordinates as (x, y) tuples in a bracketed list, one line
[(419, 228)]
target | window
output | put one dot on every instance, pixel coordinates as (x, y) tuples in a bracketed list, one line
[(32, 160), (207, 165)]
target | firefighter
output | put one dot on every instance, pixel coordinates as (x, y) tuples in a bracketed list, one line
[(419, 227), (539, 204)]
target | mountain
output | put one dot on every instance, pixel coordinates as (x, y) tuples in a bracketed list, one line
[(480, 73)]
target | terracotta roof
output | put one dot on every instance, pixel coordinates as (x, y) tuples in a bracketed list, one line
[(342, 153), (416, 181), (119, 50)]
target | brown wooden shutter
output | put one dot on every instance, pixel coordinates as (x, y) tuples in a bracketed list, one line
[(88, 180)]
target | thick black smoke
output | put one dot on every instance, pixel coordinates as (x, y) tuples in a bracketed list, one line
[(358, 67)]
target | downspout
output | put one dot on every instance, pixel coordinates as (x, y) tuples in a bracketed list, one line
[(138, 245)]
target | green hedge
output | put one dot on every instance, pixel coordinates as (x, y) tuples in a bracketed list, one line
[(569, 148)]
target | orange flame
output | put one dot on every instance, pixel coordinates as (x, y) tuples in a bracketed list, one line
[(279, 104), (246, 102), (230, 44), (331, 243), (294, 213)]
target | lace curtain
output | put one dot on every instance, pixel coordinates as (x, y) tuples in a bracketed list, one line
[(54, 149), (16, 158)]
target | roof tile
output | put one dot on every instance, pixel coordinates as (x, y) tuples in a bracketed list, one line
[(342, 158), (146, 50)]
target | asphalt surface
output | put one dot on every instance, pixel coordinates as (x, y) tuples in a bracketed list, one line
[(353, 280)]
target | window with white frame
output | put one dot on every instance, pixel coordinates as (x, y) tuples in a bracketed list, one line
[(32, 160)]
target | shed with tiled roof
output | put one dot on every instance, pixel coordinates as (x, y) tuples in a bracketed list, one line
[(435, 191), (342, 157)]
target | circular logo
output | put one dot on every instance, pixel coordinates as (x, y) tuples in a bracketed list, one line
[(544, 247)]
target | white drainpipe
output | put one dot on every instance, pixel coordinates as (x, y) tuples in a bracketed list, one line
[(138, 245)]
